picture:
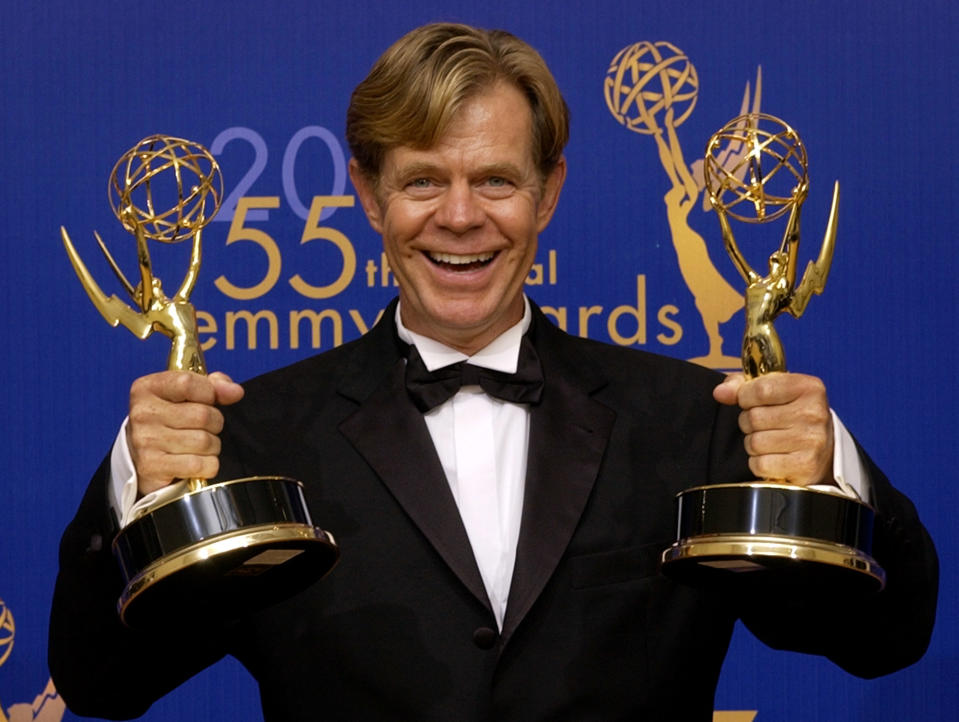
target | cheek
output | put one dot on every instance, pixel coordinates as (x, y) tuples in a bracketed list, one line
[(524, 234), (401, 226)]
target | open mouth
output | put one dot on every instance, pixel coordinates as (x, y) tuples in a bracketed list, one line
[(458, 262)]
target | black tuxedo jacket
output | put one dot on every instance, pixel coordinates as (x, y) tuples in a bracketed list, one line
[(402, 628)]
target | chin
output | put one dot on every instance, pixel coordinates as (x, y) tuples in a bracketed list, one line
[(468, 313), (463, 314)]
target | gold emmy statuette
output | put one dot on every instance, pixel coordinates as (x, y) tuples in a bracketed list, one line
[(792, 534), (226, 548)]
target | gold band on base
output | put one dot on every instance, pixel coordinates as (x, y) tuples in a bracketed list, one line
[(743, 553), (245, 539), (235, 547), (797, 538), (256, 561)]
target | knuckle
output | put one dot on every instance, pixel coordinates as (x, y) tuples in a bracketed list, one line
[(191, 416), (819, 444), (762, 394), (140, 440), (205, 443), (823, 417), (180, 384), (138, 388), (147, 463), (192, 440), (212, 419), (765, 391), (147, 484), (757, 444), (200, 416), (202, 467), (815, 411), (816, 385), (193, 466), (803, 462), (762, 443), (814, 388), (139, 414), (806, 468), (754, 419)]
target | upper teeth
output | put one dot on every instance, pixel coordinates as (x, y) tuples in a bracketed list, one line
[(458, 260)]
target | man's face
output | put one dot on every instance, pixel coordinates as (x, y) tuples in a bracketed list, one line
[(460, 220)]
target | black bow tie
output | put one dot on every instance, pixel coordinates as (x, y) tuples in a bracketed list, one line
[(429, 389)]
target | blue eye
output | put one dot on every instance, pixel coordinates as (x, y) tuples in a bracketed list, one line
[(497, 181), (420, 183)]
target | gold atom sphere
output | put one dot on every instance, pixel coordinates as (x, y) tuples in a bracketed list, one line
[(163, 185), (772, 172), (646, 79), (6, 632)]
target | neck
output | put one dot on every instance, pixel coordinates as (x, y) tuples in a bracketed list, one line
[(467, 341)]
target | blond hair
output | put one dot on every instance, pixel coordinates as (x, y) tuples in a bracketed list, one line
[(416, 87)]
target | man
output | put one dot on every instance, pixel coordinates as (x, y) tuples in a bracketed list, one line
[(499, 557)]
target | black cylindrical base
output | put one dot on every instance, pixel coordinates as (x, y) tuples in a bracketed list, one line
[(794, 536), (227, 548)]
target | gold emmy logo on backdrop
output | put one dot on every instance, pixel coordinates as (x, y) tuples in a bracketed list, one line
[(233, 546), (801, 538), (46, 706), (651, 89)]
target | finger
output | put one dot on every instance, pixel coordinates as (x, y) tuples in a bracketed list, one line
[(777, 389), (159, 470), (173, 442), (161, 454), (227, 391), (174, 386), (801, 416), (167, 467), (728, 391), (761, 418), (801, 468), (157, 413), (786, 442), (147, 440)]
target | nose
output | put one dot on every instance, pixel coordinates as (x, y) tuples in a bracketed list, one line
[(460, 209)]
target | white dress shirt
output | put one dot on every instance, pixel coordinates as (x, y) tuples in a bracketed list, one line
[(482, 444)]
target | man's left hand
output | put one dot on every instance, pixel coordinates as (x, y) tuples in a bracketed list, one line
[(787, 423)]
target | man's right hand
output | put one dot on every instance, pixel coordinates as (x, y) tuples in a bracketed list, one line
[(174, 426)]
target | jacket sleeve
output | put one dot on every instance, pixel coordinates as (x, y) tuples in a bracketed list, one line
[(100, 667), (872, 635)]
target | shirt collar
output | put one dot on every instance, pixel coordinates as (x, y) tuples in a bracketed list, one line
[(501, 354)]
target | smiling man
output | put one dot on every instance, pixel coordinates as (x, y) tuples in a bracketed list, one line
[(460, 218), (501, 491)]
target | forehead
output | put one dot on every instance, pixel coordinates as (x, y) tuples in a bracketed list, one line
[(494, 124)]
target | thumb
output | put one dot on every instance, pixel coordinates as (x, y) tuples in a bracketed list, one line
[(728, 391), (227, 390)]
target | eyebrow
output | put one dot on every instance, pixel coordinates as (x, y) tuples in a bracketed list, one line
[(501, 169), (418, 168)]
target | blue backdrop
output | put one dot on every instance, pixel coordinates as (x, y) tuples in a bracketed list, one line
[(870, 86)]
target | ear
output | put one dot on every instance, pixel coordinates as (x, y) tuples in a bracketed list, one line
[(551, 188), (364, 189)]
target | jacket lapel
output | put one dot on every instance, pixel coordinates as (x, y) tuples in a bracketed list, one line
[(569, 432), (406, 462)]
